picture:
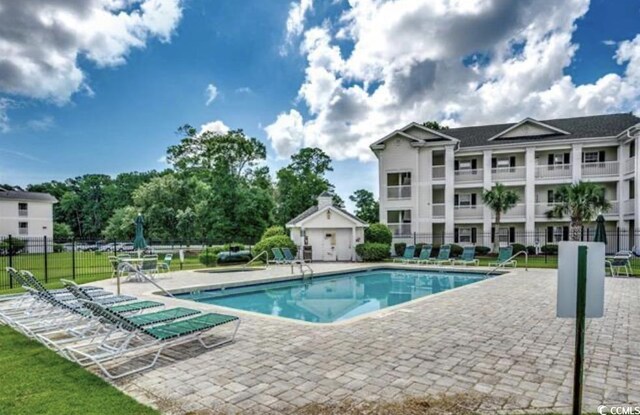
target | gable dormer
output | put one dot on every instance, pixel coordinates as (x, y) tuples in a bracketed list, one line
[(529, 128), (416, 134)]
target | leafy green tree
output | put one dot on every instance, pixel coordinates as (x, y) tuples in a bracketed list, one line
[(301, 182), (435, 125), (582, 202), (62, 232), (500, 200), (187, 224), (70, 207), (120, 226), (367, 207)]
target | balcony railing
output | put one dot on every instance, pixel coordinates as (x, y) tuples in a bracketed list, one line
[(438, 210), (438, 172), (598, 169), (399, 192), (614, 209), (553, 171), (400, 228), (505, 174), (630, 165), (468, 176), (516, 212), (629, 207), (23, 212), (542, 209), (468, 212)]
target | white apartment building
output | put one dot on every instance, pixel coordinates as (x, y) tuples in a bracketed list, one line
[(431, 181), (26, 214)]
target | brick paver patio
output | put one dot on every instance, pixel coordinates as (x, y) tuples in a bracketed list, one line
[(499, 338)]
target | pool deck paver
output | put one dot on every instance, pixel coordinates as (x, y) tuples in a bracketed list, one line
[(499, 338)]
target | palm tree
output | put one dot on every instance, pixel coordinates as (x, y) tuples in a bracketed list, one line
[(500, 200), (582, 202)]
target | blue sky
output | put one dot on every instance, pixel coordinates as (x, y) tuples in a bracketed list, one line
[(122, 116)]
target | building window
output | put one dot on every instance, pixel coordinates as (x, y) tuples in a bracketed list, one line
[(399, 221), (557, 234), (23, 228), (632, 149), (465, 235), (504, 164), (559, 159), (632, 189), (465, 200), (551, 197), (507, 235), (399, 185), (469, 166), (593, 157), (23, 209)]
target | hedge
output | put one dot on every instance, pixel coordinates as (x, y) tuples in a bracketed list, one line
[(372, 251), (273, 231), (482, 250), (208, 257), (549, 249), (518, 247), (378, 233), (399, 248)]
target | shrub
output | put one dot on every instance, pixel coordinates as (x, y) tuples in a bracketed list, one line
[(456, 250), (549, 249), (58, 248), (531, 250), (17, 246), (518, 247), (378, 233), (419, 249), (482, 250), (399, 248), (277, 241), (208, 257), (273, 231), (372, 251), (231, 257)]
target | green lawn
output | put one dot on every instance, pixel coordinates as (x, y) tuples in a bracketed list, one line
[(35, 380)]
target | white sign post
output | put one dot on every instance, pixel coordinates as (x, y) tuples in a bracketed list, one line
[(181, 254), (580, 295)]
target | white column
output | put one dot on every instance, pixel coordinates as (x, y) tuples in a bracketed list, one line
[(622, 191), (382, 189), (416, 193), (636, 212), (487, 184), (353, 243), (530, 194), (576, 162), (426, 192), (449, 192)]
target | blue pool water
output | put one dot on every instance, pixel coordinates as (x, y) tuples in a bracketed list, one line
[(335, 297)]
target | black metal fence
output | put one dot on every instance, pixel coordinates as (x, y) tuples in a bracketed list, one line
[(85, 260)]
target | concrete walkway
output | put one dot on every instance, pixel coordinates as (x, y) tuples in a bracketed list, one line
[(499, 337)]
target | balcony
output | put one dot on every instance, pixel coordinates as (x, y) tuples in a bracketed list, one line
[(399, 192), (438, 210), (542, 209), (468, 212), (629, 207), (614, 209), (516, 212), (553, 171), (630, 165), (400, 229), (468, 176), (438, 173), (600, 169), (506, 174)]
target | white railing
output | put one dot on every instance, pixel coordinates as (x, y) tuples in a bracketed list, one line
[(614, 209), (605, 168), (516, 212), (468, 212), (468, 176), (630, 165), (505, 174), (553, 171), (629, 206), (542, 209), (438, 172), (400, 228), (399, 192), (438, 210)]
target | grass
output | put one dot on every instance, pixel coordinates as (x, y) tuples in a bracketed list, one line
[(35, 380)]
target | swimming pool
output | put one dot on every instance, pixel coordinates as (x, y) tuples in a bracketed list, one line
[(335, 297)]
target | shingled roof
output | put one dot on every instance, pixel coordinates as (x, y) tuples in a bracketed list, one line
[(313, 209), (22, 195)]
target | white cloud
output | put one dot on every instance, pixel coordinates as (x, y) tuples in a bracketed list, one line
[(411, 61), (295, 22), (41, 124), (243, 90), (211, 93), (162, 160), (286, 133), (5, 103), (217, 127), (41, 41), (609, 42)]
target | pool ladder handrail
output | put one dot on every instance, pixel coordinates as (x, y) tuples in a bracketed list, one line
[(266, 260), (503, 263), (140, 273), (302, 265)]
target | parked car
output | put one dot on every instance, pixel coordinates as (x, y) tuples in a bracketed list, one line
[(126, 247)]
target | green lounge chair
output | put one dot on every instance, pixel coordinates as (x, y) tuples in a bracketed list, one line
[(80, 293), (504, 256), (165, 265), (617, 263), (288, 255), (468, 257), (425, 253), (278, 256), (407, 256), (136, 337), (444, 256)]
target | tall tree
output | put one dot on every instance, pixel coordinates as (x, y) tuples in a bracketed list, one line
[(301, 182), (367, 207), (500, 200), (435, 125), (581, 201)]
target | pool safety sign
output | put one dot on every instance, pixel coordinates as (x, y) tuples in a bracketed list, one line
[(568, 279)]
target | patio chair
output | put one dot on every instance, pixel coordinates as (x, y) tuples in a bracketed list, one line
[(278, 256), (288, 255), (62, 294), (407, 255), (80, 293), (165, 265), (136, 337), (444, 256), (425, 253), (468, 257), (504, 258), (618, 263)]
